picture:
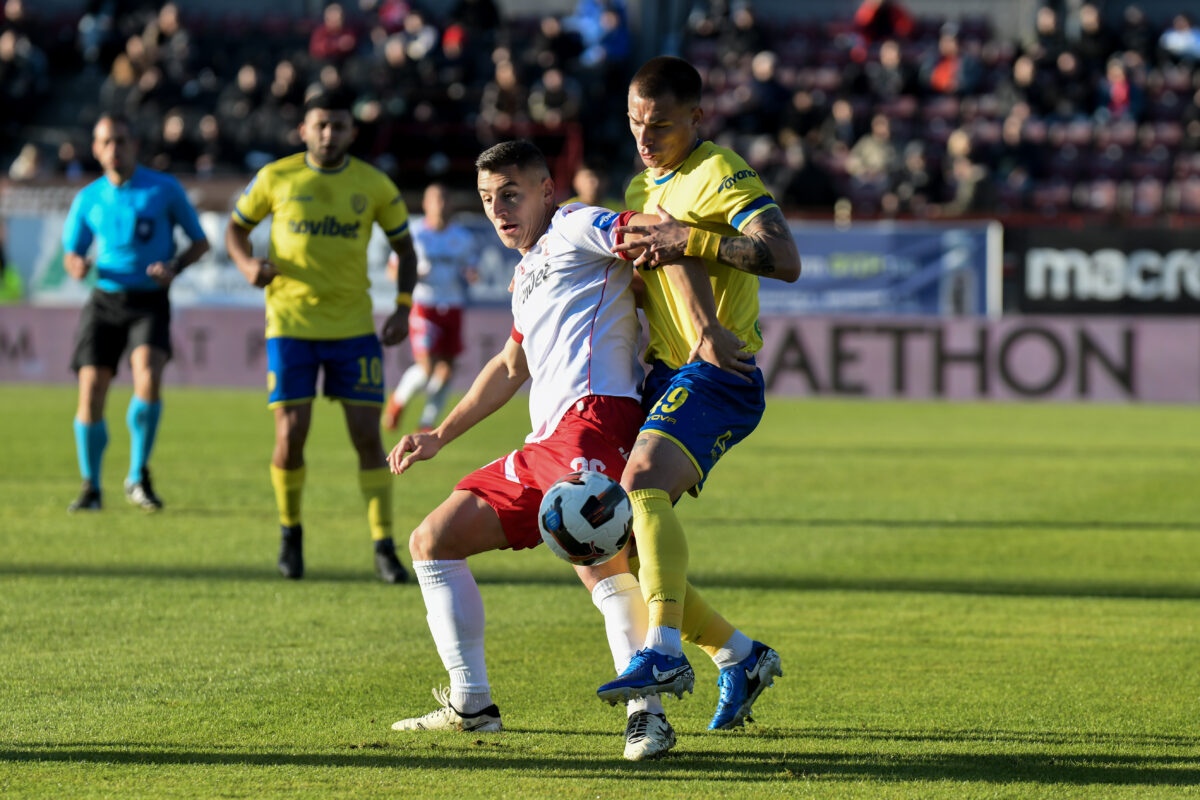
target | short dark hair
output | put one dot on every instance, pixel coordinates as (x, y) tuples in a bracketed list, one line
[(665, 75), (115, 119), (520, 153), (330, 100)]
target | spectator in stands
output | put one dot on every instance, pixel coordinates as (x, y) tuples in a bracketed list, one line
[(150, 98), (874, 160), (24, 79), (1137, 35), (555, 99), (888, 77), (69, 164), (766, 98), (333, 40), (1027, 85), (590, 183), (802, 118), (215, 152), (395, 79), (285, 95), (918, 186), (967, 189), (950, 71), (708, 18), (1072, 90), (553, 46), (1117, 97), (876, 20), (1181, 42), (743, 37), (173, 149), (504, 104), (237, 101), (1094, 43), (420, 37), (169, 39), (391, 14), (801, 183), (114, 92), (1047, 41), (839, 132)]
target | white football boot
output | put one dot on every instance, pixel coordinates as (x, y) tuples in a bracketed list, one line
[(447, 718), (648, 735)]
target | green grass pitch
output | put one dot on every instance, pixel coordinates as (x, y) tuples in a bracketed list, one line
[(971, 601)]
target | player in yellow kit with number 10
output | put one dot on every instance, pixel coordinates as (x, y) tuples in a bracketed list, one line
[(323, 204)]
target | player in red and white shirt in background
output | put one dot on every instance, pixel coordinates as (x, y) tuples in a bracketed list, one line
[(446, 262), (575, 333)]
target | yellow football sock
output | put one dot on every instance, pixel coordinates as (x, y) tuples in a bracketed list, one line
[(663, 556), (289, 486), (702, 626), (376, 486)]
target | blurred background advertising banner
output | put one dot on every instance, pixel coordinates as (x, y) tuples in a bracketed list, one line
[(1129, 270), (892, 268)]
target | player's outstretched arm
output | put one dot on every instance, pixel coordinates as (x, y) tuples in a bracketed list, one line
[(715, 343), (765, 247), (495, 385), (395, 327), (257, 271)]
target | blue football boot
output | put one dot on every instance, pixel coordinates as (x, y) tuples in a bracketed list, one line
[(741, 685), (649, 673)]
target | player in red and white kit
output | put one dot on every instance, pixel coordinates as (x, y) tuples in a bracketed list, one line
[(575, 333), (446, 261)]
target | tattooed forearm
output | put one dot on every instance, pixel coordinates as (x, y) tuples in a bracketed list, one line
[(748, 253), (766, 248)]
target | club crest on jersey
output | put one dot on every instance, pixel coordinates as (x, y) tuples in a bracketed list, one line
[(358, 202), (729, 181)]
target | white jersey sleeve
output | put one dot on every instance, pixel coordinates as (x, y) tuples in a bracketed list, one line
[(573, 312)]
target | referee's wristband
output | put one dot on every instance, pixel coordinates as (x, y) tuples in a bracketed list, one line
[(702, 243), (404, 299)]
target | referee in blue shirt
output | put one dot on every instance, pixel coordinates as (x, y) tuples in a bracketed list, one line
[(130, 214)]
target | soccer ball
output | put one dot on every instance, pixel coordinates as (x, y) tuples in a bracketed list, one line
[(585, 518)]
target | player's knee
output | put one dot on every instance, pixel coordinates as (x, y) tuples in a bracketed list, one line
[(427, 544)]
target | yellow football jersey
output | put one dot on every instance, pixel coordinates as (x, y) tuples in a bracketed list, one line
[(716, 190), (320, 227)]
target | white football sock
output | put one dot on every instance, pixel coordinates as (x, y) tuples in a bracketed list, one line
[(454, 611), (619, 599), (411, 382), (665, 640), (734, 651)]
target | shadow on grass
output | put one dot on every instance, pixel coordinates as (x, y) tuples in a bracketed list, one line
[(799, 583), (436, 753), (1191, 526)]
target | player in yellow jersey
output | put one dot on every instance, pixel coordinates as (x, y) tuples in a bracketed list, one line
[(322, 204), (704, 393)]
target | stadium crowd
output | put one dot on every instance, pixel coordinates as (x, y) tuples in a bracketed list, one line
[(895, 113)]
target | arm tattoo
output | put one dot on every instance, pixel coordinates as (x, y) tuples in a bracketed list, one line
[(751, 252)]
